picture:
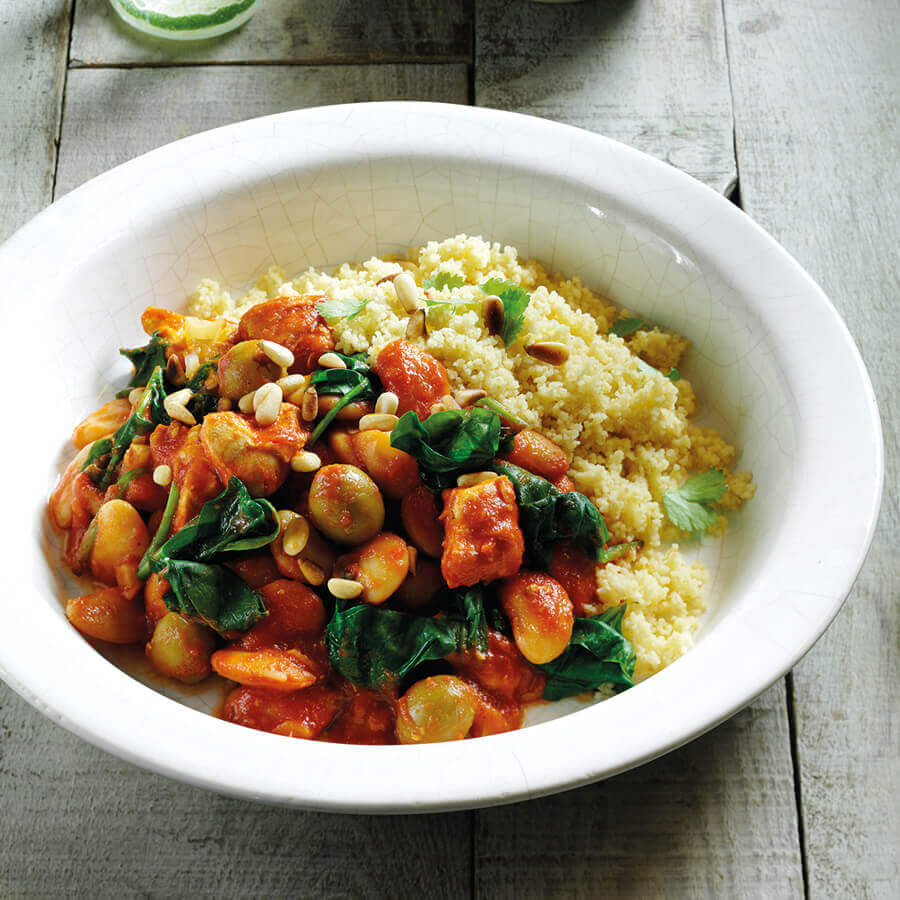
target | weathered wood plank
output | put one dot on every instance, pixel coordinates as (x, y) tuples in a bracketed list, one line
[(817, 131), (34, 40), (714, 819), (653, 75), (76, 822), (155, 106), (287, 31), (719, 817)]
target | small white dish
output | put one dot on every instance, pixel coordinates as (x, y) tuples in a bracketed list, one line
[(771, 360)]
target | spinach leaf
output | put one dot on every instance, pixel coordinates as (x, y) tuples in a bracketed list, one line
[(369, 645), (515, 301), (145, 359), (357, 382), (203, 401), (442, 280), (449, 443), (232, 522), (466, 610), (547, 515), (629, 325), (598, 653), (106, 454)]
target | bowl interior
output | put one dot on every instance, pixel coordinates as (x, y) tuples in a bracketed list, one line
[(343, 210)]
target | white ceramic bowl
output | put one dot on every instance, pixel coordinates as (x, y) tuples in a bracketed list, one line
[(771, 360)]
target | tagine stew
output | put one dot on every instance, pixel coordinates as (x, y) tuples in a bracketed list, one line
[(368, 556)]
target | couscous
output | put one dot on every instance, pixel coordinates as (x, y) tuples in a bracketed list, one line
[(400, 501)]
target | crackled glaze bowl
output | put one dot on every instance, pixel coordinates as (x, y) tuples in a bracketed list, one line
[(774, 364)]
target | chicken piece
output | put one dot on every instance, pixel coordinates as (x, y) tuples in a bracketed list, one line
[(180, 448), (294, 323), (482, 538), (414, 375), (258, 455)]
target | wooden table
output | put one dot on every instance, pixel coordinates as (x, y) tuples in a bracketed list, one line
[(788, 107)]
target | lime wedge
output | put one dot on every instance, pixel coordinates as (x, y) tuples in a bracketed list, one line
[(184, 20)]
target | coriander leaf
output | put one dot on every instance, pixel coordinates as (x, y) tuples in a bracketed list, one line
[(673, 374), (200, 588), (106, 454), (145, 359), (598, 653), (614, 551), (449, 443), (629, 325), (347, 308), (688, 507), (442, 280), (515, 300), (548, 515), (370, 645)]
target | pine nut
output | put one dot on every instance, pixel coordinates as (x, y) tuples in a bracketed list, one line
[(278, 353), (224, 404), (183, 396), (472, 478), (407, 292), (174, 369), (311, 572), (469, 397), (291, 383), (415, 327), (306, 461), (492, 310), (413, 554), (331, 361), (174, 405), (387, 403), (212, 380), (191, 364), (378, 422), (296, 536), (309, 405), (162, 475), (344, 588), (245, 404), (449, 402), (552, 352), (269, 405), (136, 396)]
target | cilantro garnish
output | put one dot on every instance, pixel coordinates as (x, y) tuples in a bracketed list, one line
[(629, 325), (515, 300), (688, 507), (347, 308), (673, 374), (442, 280)]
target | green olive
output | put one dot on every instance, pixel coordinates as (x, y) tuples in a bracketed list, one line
[(244, 368), (181, 649), (440, 708), (345, 504)]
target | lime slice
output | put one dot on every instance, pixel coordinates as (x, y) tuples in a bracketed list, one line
[(184, 20)]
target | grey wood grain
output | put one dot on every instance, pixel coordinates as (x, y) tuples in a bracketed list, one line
[(33, 42), (816, 89), (76, 822), (310, 31), (714, 819), (155, 106), (653, 75)]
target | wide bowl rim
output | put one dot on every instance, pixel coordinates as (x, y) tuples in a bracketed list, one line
[(494, 770)]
